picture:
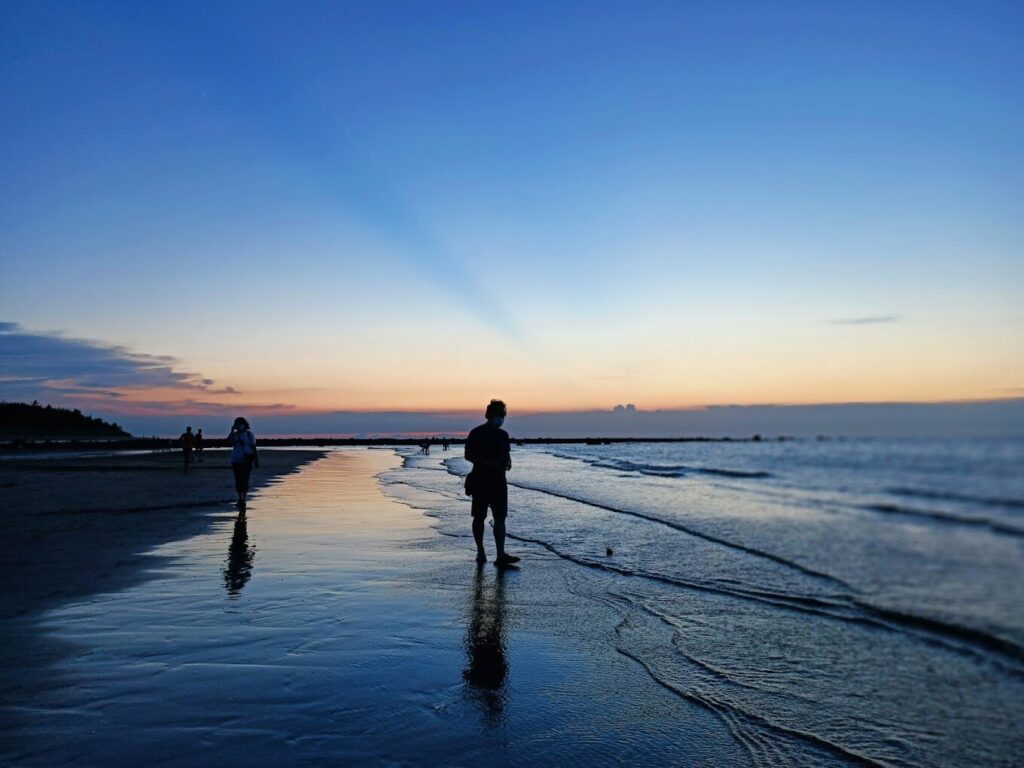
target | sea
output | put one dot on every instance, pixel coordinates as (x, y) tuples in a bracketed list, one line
[(832, 602)]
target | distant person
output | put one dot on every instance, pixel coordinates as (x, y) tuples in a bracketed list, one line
[(488, 449), (199, 445), (444, 444), (243, 456), (187, 442)]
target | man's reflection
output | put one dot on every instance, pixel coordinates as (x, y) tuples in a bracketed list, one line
[(240, 557), (487, 668)]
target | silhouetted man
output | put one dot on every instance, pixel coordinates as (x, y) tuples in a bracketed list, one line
[(199, 445), (488, 449), (187, 442)]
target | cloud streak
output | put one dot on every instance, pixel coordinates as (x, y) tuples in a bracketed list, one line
[(867, 320), (50, 366)]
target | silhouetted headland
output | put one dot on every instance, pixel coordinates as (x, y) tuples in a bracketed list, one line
[(32, 421)]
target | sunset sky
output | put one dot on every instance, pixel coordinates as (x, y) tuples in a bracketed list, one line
[(395, 206)]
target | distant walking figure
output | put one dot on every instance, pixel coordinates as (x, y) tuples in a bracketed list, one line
[(199, 445), (488, 449), (243, 456), (187, 440)]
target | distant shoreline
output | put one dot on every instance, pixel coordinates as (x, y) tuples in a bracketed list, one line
[(166, 443)]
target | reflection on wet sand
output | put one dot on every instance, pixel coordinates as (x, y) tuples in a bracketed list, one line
[(240, 557), (487, 668)]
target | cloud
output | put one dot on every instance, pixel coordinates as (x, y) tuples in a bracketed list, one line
[(53, 367), (868, 320)]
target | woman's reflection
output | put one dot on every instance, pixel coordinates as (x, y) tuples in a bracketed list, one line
[(240, 557), (486, 667)]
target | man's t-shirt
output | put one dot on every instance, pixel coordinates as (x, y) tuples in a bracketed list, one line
[(186, 440), (492, 444)]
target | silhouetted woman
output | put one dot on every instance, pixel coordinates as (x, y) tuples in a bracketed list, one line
[(243, 456)]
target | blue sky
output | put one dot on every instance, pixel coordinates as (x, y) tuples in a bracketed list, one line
[(421, 205)]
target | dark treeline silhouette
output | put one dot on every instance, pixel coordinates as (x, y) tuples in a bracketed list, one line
[(32, 421)]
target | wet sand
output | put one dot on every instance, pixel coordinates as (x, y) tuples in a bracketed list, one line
[(74, 526), (334, 625)]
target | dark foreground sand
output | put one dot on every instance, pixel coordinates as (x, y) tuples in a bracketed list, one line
[(73, 526), (331, 625)]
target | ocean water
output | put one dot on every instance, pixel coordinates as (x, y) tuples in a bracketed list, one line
[(832, 602)]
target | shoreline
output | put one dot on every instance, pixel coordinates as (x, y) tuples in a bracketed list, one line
[(352, 631), (24, 448), (77, 525)]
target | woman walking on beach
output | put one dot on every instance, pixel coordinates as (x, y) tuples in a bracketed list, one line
[(243, 456)]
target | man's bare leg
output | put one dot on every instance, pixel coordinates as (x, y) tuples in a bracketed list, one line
[(499, 537), (478, 536)]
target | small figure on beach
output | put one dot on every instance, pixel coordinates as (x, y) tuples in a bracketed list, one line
[(199, 444), (444, 444), (425, 447), (243, 456), (187, 441), (488, 449)]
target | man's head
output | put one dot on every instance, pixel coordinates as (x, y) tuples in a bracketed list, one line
[(188, 429), (496, 412)]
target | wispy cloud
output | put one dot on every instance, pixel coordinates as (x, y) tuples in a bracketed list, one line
[(867, 320), (52, 367)]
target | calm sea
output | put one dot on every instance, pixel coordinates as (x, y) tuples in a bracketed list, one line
[(852, 601)]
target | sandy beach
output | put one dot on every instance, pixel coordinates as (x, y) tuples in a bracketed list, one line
[(330, 625), (675, 605)]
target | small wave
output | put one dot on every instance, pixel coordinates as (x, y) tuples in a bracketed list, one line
[(943, 634), (729, 712), (665, 470), (992, 501), (945, 517), (693, 532), (732, 472), (989, 641)]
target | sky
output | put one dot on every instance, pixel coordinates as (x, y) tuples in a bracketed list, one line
[(295, 208)]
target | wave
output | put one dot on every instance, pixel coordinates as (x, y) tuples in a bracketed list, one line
[(664, 470), (843, 607), (727, 711), (945, 517), (949, 636), (991, 501), (693, 532)]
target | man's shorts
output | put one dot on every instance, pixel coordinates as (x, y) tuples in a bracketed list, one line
[(495, 497)]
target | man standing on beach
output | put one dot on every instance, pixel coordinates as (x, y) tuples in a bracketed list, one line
[(187, 442), (488, 449)]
